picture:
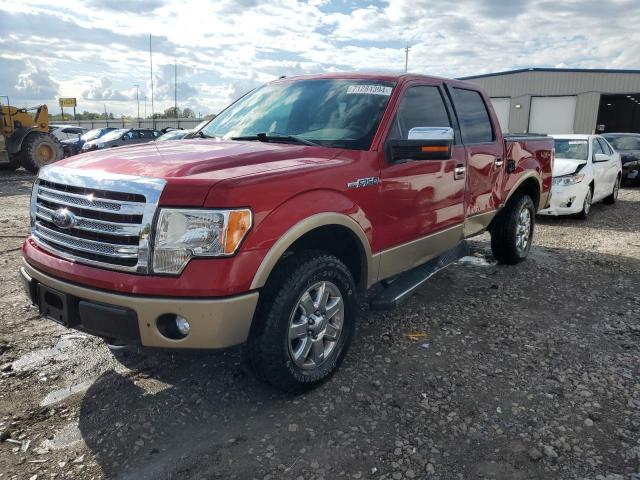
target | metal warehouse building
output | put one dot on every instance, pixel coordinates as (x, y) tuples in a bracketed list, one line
[(550, 100)]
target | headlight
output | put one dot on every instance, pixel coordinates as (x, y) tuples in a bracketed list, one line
[(568, 180), (633, 163), (185, 234)]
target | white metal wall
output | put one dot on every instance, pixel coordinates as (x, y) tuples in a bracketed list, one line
[(502, 107)]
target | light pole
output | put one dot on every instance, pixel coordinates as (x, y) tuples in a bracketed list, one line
[(406, 59), (138, 102)]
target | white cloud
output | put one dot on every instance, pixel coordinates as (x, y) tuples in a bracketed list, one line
[(226, 47)]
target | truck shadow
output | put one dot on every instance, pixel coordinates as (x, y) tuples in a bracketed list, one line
[(170, 415)]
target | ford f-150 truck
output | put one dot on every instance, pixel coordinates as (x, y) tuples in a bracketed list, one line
[(267, 227)]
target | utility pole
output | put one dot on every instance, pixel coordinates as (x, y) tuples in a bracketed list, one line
[(175, 87), (138, 102), (106, 117), (406, 58), (151, 64)]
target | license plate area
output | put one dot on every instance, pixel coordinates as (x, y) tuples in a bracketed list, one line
[(53, 304)]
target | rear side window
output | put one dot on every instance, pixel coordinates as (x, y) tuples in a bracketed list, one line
[(475, 122), (420, 107)]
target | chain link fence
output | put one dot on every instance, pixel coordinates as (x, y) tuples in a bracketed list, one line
[(158, 123)]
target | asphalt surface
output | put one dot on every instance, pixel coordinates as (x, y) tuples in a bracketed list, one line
[(524, 372)]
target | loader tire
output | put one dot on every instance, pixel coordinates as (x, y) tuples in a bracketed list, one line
[(40, 149)]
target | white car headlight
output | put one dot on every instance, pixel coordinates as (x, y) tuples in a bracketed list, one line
[(568, 180), (185, 234)]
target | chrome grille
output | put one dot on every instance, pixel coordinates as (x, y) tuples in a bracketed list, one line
[(112, 216)]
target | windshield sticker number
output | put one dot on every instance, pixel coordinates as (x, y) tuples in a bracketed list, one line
[(369, 90)]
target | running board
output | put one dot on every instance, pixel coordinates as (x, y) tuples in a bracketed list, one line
[(405, 284)]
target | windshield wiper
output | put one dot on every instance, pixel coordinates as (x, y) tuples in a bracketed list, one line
[(200, 134), (277, 138)]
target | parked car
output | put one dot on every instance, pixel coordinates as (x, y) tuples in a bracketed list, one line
[(628, 146), (73, 146), (174, 135), (66, 132), (122, 136), (270, 226), (586, 170)]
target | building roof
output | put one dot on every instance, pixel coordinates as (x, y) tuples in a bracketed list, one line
[(553, 70)]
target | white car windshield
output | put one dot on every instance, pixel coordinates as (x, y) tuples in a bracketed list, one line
[(571, 149)]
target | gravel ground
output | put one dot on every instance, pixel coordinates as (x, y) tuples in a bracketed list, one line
[(525, 372)]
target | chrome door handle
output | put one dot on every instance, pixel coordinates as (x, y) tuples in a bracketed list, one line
[(459, 171), (499, 162)]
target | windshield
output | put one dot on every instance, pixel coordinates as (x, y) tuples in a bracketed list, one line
[(572, 149), (332, 113), (626, 142), (91, 134), (114, 135)]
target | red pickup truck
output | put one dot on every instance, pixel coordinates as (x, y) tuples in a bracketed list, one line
[(269, 224)]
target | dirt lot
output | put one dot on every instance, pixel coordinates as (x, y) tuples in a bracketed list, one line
[(526, 372)]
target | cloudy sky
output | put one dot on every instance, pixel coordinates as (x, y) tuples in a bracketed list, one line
[(98, 50)]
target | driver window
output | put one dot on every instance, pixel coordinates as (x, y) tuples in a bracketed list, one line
[(420, 107), (596, 148)]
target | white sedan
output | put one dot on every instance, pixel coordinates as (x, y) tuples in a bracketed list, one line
[(586, 170)]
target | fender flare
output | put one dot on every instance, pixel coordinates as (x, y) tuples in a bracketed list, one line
[(542, 196), (313, 222)]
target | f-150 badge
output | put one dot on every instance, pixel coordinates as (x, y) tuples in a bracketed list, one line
[(364, 182)]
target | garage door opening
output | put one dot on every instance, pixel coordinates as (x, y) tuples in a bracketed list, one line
[(619, 113), (552, 114)]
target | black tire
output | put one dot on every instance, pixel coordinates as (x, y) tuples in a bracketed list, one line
[(40, 149), (505, 230), (586, 205), (268, 351), (613, 198)]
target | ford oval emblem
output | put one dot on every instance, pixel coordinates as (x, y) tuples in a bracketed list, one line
[(63, 218)]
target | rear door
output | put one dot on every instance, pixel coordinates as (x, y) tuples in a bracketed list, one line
[(483, 149), (421, 201)]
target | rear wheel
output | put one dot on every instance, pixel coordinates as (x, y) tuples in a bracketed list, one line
[(40, 149), (512, 230), (304, 323), (613, 198)]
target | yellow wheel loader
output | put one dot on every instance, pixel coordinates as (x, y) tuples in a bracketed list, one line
[(25, 139)]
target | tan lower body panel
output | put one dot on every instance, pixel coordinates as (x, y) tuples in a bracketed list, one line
[(404, 257), (215, 323), (478, 223)]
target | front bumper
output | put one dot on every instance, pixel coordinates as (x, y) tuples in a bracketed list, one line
[(215, 323), (567, 200)]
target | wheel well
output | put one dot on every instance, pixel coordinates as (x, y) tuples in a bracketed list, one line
[(531, 187), (339, 241)]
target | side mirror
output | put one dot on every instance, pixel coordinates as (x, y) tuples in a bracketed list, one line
[(600, 157), (423, 143)]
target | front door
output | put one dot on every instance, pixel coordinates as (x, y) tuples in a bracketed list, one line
[(600, 171), (421, 201)]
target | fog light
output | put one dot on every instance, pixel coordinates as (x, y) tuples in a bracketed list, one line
[(173, 326), (183, 326)]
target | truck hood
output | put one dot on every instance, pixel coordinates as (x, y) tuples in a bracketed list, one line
[(201, 158), (563, 166), (192, 167)]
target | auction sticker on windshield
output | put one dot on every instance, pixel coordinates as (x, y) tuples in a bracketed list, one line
[(369, 90)]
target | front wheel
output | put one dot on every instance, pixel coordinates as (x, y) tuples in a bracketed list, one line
[(512, 230), (304, 323), (586, 206)]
